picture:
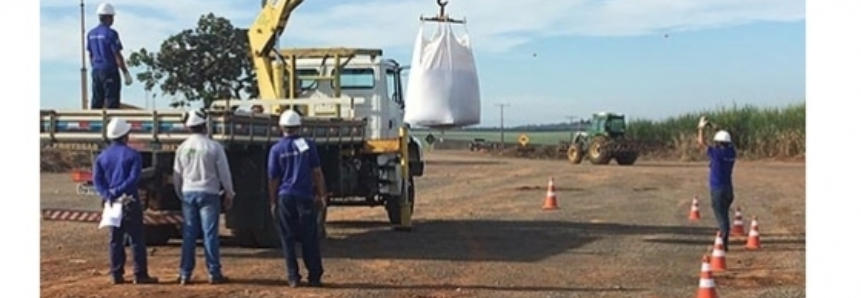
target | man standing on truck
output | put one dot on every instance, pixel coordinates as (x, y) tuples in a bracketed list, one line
[(294, 170), (106, 61), (116, 172), (200, 171), (722, 159)]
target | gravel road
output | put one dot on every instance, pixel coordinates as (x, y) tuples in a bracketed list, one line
[(480, 231)]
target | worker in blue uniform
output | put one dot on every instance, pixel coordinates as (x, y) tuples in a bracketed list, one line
[(115, 176), (722, 160), (297, 192), (106, 60)]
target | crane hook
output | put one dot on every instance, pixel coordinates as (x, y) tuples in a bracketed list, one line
[(442, 4)]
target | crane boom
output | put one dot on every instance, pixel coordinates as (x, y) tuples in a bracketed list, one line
[(262, 37)]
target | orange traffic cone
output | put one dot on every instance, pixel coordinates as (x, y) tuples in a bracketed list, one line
[(694, 215), (707, 283), (737, 224), (753, 236), (718, 259), (550, 201)]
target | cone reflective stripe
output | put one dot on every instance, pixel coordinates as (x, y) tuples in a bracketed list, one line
[(694, 215), (718, 259), (753, 236), (707, 288), (737, 224), (550, 201)]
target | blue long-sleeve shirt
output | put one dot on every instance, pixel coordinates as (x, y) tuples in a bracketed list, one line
[(116, 172), (290, 162)]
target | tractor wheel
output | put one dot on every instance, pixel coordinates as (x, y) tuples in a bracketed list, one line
[(627, 159), (598, 151), (575, 154)]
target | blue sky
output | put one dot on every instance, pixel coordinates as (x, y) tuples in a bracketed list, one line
[(547, 59)]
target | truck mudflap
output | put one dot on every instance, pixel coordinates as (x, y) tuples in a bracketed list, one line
[(151, 218)]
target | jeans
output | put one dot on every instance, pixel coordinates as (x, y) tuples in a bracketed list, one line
[(721, 201), (106, 89), (200, 213), (297, 218), (131, 226)]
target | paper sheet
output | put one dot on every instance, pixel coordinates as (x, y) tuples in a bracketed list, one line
[(112, 215), (301, 144)]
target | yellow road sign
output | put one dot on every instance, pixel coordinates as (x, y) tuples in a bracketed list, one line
[(524, 139)]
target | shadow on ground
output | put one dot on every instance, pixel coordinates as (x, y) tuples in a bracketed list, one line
[(472, 240), (463, 162), (381, 286), (734, 241)]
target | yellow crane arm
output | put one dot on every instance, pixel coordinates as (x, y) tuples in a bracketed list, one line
[(262, 37)]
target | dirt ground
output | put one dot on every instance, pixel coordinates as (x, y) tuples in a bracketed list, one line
[(480, 231)]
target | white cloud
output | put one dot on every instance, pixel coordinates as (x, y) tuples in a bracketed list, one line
[(494, 26)]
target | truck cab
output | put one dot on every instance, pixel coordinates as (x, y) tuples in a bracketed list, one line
[(374, 84)]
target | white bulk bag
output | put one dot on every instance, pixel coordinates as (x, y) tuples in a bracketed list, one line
[(443, 89)]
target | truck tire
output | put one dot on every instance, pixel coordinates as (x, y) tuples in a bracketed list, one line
[(160, 235), (575, 154), (393, 204), (598, 151), (266, 237)]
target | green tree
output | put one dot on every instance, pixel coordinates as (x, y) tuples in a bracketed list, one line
[(205, 63)]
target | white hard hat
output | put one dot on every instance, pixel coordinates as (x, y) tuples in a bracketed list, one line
[(105, 9), (117, 128), (290, 119), (194, 118), (723, 137)]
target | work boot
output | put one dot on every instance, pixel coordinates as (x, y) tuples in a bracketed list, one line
[(182, 280), (218, 280), (145, 280), (117, 280)]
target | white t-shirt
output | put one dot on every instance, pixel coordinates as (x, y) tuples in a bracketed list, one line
[(201, 165)]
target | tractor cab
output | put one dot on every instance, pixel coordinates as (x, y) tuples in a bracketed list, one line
[(610, 124)]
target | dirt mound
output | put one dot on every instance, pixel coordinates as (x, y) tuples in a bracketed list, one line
[(64, 161)]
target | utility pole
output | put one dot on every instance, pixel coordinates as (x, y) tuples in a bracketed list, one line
[(502, 107), (83, 61), (571, 125)]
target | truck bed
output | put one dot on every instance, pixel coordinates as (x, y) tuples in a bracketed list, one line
[(163, 130)]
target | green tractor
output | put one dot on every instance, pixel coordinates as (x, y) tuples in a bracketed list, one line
[(602, 142)]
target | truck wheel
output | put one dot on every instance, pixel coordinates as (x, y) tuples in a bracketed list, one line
[(599, 153), (159, 235), (267, 237), (575, 154), (393, 204)]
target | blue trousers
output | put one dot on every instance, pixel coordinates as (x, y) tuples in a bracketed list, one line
[(297, 218), (106, 86), (131, 226), (201, 212), (721, 202)]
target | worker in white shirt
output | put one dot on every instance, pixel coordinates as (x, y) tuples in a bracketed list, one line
[(200, 172)]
